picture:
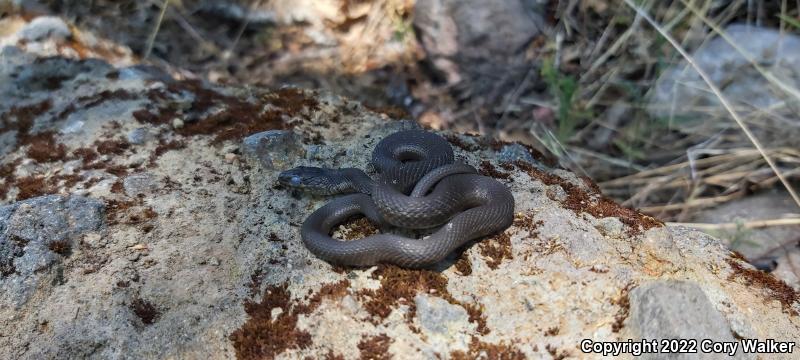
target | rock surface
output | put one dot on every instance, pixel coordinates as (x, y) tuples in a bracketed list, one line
[(198, 254)]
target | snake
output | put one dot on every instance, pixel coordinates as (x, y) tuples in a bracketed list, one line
[(419, 186)]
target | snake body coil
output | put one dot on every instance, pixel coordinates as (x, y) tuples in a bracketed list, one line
[(419, 187)]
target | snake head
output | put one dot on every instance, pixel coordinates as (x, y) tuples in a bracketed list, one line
[(315, 180)]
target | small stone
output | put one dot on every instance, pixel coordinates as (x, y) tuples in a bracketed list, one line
[(177, 123), (274, 149), (213, 261), (230, 158)]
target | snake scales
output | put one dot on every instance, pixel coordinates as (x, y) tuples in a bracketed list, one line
[(419, 187)]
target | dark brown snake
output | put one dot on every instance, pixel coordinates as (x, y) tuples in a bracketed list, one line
[(419, 187)]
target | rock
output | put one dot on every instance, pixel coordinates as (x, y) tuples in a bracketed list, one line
[(678, 310), (512, 153), (463, 42), (681, 94), (35, 234), (140, 279), (438, 316), (274, 149), (45, 27)]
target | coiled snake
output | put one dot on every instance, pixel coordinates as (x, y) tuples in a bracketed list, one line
[(419, 187)]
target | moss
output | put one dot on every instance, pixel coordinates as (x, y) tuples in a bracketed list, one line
[(774, 288), (553, 331), (482, 350), (44, 148), (358, 228), (234, 118), (103, 96), (400, 286), (375, 348), (112, 147), (162, 148), (463, 145), (624, 304), (144, 310), (61, 247), (553, 351), (261, 336), (264, 337), (463, 265), (593, 203), (496, 248), (487, 169)]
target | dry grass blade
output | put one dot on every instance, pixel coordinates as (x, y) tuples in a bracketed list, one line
[(718, 93), (152, 39), (753, 224)]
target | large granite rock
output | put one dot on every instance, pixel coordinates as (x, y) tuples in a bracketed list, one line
[(199, 255)]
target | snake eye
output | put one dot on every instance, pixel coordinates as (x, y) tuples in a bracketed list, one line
[(295, 180)]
